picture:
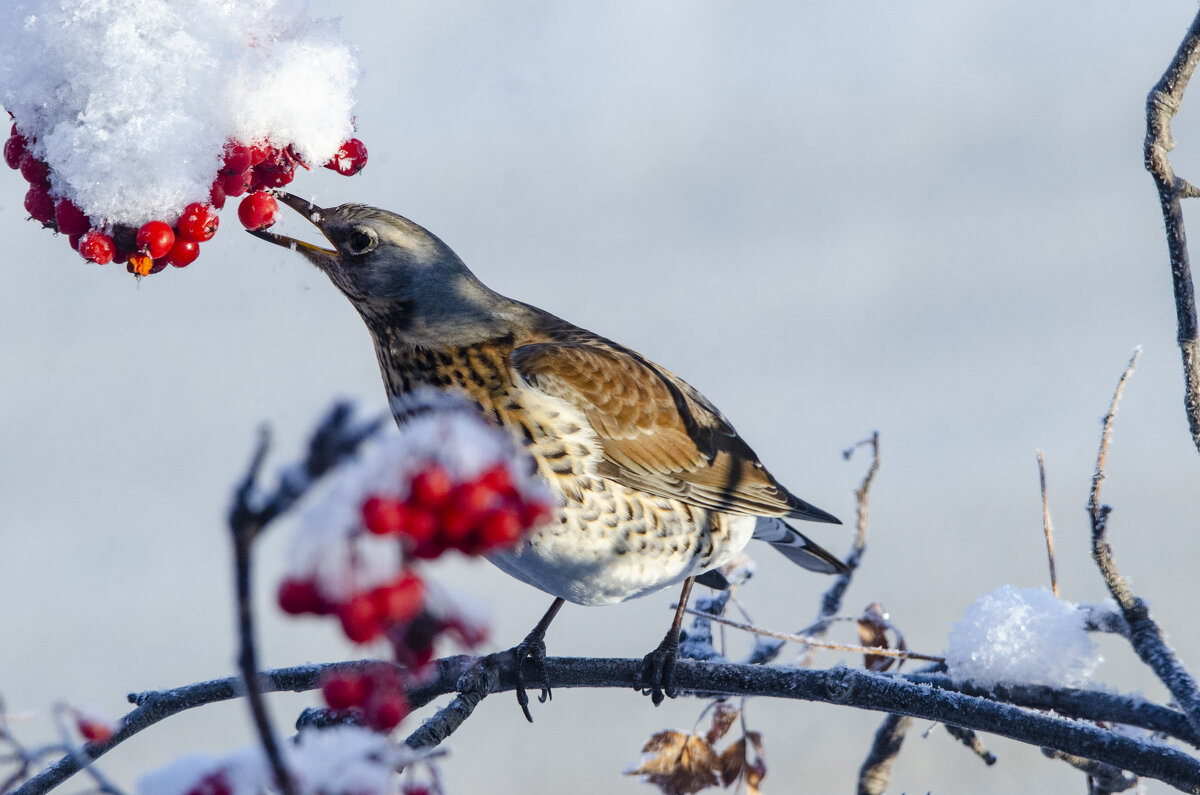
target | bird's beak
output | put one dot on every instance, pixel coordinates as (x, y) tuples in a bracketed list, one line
[(321, 257)]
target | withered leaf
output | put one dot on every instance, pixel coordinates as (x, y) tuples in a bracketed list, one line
[(678, 763), (735, 765), (724, 714), (872, 631)]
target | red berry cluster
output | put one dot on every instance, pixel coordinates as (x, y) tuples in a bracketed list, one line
[(215, 783), (247, 168), (375, 694), (474, 517)]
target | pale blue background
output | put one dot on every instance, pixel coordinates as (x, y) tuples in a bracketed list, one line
[(929, 219)]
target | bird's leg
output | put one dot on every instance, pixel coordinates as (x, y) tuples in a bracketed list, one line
[(658, 667), (533, 648)]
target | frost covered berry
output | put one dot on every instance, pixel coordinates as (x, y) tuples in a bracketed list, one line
[(155, 238), (349, 159), (39, 205), (97, 247), (198, 223), (237, 159), (70, 219), (14, 149), (183, 253), (258, 210), (236, 184)]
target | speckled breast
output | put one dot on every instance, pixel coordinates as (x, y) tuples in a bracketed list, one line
[(607, 542)]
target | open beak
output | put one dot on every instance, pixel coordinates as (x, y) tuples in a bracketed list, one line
[(321, 257)]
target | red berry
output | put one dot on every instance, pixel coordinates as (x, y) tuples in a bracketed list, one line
[(458, 528), (73, 241), (70, 219), (499, 480), (198, 223), (300, 596), (236, 184), (237, 159), (34, 171), (382, 516), (400, 601), (431, 487), (216, 194), (258, 210), (38, 204), (14, 149), (155, 238), (419, 526), (97, 247), (534, 513), (183, 253), (360, 618), (343, 691), (94, 731), (349, 159), (274, 172), (475, 497), (385, 710), (157, 265), (500, 528), (259, 152)]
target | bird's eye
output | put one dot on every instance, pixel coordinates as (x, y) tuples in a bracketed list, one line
[(361, 240)]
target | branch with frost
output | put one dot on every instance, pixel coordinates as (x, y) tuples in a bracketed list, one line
[(924, 696), (1144, 633), (1163, 102)]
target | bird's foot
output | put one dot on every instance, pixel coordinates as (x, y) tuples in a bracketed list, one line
[(533, 648), (658, 670)]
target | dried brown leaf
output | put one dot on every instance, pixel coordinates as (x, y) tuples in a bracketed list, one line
[(724, 714), (735, 765), (872, 631), (678, 763)]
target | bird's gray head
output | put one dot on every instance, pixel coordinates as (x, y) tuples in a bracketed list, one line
[(396, 273)]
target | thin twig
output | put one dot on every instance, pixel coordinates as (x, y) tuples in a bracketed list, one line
[(1046, 527), (1144, 633), (831, 602), (811, 641), (971, 740), (1162, 104), (1102, 778), (876, 771)]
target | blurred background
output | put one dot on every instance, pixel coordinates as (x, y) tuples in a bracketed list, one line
[(927, 219)]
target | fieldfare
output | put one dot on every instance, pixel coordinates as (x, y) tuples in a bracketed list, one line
[(654, 486)]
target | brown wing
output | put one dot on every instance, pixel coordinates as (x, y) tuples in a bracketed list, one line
[(658, 434)]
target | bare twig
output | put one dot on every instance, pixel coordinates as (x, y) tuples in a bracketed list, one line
[(1046, 527), (831, 602), (971, 740), (336, 438), (1144, 633), (876, 771), (1102, 778), (811, 641), (1162, 104)]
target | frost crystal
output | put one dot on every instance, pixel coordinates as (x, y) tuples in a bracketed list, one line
[(131, 101), (1022, 636)]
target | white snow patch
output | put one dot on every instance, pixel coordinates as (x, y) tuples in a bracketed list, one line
[(1022, 636), (132, 101)]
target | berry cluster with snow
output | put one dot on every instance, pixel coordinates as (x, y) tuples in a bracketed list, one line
[(446, 481), (133, 120), (1022, 636)]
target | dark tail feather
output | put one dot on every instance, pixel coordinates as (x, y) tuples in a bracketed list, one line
[(796, 547)]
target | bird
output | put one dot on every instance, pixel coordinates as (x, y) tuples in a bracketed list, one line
[(653, 485)]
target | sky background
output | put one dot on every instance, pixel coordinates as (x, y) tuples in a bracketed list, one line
[(927, 219)]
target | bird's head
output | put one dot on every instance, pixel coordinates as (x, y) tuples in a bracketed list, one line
[(396, 273)]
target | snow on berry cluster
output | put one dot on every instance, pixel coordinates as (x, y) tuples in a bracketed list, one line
[(446, 481), (134, 120)]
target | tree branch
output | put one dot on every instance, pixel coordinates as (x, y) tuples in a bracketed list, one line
[(923, 696), (1144, 633), (1162, 104)]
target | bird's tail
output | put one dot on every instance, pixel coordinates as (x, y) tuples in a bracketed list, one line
[(796, 547)]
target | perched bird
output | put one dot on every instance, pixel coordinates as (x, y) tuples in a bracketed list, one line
[(654, 486)]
